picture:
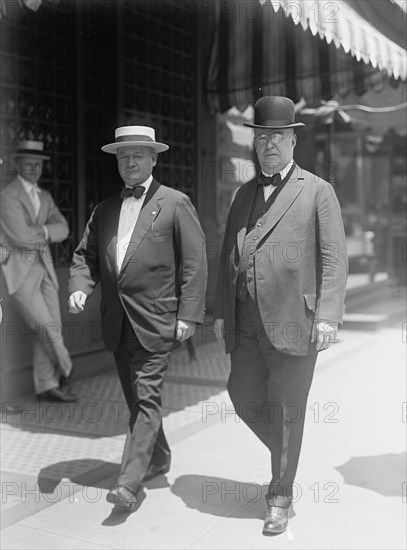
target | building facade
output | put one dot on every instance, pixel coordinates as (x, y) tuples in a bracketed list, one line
[(73, 71)]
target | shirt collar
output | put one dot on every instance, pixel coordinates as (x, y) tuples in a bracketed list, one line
[(146, 184), (28, 186), (283, 172)]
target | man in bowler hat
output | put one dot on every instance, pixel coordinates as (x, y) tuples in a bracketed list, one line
[(280, 295), (146, 248), (30, 221)]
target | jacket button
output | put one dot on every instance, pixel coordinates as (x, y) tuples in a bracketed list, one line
[(249, 280), (250, 266), (255, 238), (258, 224)]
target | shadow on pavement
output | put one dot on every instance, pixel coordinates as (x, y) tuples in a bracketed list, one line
[(384, 474), (221, 497), (89, 473)]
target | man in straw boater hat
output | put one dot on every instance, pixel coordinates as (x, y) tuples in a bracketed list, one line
[(280, 295), (146, 248), (30, 220)]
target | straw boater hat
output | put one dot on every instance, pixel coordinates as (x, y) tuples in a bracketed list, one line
[(30, 148), (274, 112), (135, 135)]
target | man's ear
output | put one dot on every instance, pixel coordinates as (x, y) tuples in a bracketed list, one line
[(294, 140), (255, 143)]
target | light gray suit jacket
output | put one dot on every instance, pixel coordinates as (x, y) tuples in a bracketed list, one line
[(299, 262), (19, 235)]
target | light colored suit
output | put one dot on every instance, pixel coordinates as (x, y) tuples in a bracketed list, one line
[(299, 262), (294, 261), (31, 279)]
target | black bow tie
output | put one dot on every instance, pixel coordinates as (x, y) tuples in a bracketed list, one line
[(136, 192), (270, 180)]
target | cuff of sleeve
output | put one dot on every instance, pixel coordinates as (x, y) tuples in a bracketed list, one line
[(46, 232), (327, 321)]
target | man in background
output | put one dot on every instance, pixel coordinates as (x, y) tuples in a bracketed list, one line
[(30, 221)]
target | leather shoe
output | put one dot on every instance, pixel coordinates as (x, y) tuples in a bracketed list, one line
[(276, 520), (156, 470), (122, 496), (56, 394), (65, 382)]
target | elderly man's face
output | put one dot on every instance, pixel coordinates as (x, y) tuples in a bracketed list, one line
[(135, 164), (29, 168), (274, 148)]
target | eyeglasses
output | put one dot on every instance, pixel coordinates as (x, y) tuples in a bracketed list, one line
[(263, 139)]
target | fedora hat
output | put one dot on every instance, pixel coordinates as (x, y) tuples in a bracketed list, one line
[(134, 135), (274, 112), (30, 148)]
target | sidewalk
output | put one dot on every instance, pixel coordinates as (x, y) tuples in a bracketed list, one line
[(59, 461)]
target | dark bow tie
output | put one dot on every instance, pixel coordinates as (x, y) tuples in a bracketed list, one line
[(270, 180), (136, 192)]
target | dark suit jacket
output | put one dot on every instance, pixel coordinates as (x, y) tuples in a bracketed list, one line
[(299, 262), (163, 276)]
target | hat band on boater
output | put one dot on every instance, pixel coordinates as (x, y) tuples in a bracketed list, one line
[(120, 139), (30, 153), (276, 122)]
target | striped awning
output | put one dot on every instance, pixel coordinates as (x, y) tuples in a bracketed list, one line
[(340, 23), (303, 49)]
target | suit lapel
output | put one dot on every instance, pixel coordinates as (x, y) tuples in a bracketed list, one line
[(25, 199), (244, 209), (285, 199), (148, 213), (112, 232), (42, 212)]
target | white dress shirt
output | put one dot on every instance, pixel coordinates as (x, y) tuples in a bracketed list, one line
[(129, 214), (268, 189)]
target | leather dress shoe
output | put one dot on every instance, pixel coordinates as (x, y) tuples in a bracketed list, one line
[(155, 470), (276, 520), (65, 382), (56, 394), (122, 496)]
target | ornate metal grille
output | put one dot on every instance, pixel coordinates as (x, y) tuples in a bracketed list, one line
[(92, 20), (159, 63), (55, 73), (36, 98)]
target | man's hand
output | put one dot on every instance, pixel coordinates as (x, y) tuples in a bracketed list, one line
[(184, 330), (4, 254), (219, 328), (76, 302), (39, 230), (324, 333)]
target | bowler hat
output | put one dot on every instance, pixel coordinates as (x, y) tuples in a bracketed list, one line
[(30, 148), (134, 135), (274, 112)]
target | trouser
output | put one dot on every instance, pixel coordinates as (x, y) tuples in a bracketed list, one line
[(269, 391), (37, 302), (141, 374)]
